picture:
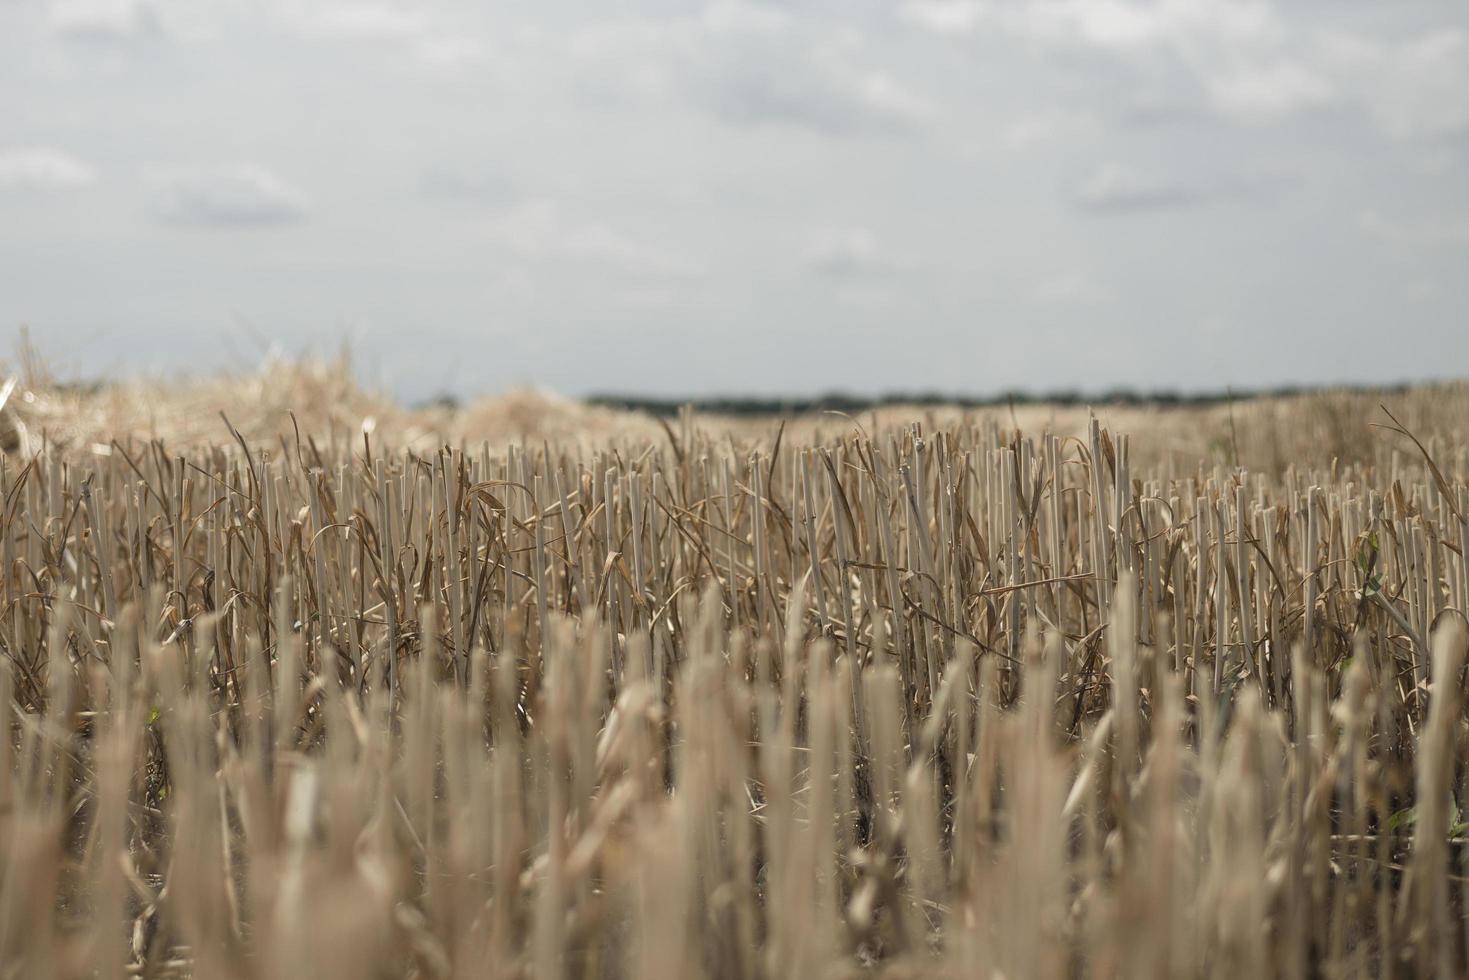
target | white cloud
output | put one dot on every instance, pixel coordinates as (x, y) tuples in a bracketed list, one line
[(1248, 63), (1045, 128), (1431, 233), (1115, 189), (1182, 25), (245, 194), (1185, 26), (43, 167), (1239, 55), (451, 51), (541, 230), (740, 17), (1071, 289), (883, 95), (1268, 90), (943, 16), (104, 20), (1414, 88), (852, 253), (363, 20), (435, 35)]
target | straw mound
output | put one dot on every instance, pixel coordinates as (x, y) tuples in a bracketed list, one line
[(322, 401)]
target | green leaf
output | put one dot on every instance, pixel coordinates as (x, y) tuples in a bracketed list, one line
[(1367, 552), (1408, 817), (1403, 818)]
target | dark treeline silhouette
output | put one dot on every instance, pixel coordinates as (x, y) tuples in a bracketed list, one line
[(842, 402)]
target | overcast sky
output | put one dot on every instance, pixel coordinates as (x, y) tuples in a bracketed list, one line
[(671, 198)]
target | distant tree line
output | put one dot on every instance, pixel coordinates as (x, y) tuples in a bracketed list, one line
[(848, 403)]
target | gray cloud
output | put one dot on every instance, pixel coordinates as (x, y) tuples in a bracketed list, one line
[(485, 184), (753, 65), (812, 96), (241, 195), (1117, 189), (1239, 57), (1249, 61)]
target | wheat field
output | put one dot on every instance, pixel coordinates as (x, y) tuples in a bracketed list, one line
[(327, 688)]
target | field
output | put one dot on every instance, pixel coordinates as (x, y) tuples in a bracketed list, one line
[(323, 687)]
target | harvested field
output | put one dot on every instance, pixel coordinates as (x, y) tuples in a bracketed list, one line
[(340, 689)]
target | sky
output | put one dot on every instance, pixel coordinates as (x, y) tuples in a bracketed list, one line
[(684, 199)]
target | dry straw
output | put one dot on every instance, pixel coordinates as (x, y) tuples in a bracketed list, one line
[(879, 700)]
